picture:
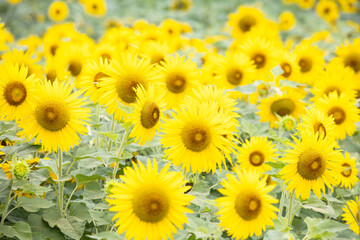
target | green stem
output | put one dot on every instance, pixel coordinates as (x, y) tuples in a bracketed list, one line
[(290, 208), (121, 149), (60, 183), (8, 200), (282, 198), (68, 202), (112, 129), (97, 113)]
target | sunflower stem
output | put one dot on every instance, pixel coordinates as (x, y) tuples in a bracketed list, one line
[(282, 198), (97, 113), (290, 207), (8, 200), (121, 150), (60, 183), (68, 202)]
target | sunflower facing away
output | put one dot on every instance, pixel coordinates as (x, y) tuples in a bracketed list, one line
[(255, 153), (350, 212), (348, 176), (149, 205), (58, 117), (311, 164), (147, 114), (246, 208), (17, 91), (343, 110), (194, 138)]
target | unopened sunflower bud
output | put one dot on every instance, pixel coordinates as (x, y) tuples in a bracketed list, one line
[(20, 170), (288, 123), (110, 183)]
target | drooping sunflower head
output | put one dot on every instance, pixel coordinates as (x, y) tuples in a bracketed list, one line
[(344, 111), (17, 91), (149, 200), (312, 164), (246, 207), (58, 11), (287, 104), (147, 113), (125, 76), (58, 117), (255, 153), (348, 176)]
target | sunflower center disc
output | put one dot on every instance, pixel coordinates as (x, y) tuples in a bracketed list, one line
[(98, 77), (126, 88), (259, 60), (15, 93), (75, 67), (332, 89), (150, 115), (246, 23), (234, 76), (52, 115), (347, 170), (283, 107), (248, 206), (106, 56), (151, 205), (311, 165), (320, 129), (256, 158), (287, 69), (353, 61), (338, 114), (176, 83), (196, 136), (305, 64)]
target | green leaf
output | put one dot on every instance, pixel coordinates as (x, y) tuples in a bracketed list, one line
[(85, 175), (21, 230), (317, 205), (323, 229), (124, 108), (277, 71), (80, 210), (107, 236), (203, 229), (272, 234), (71, 226), (34, 204), (101, 217), (38, 225), (93, 190), (111, 135), (51, 216)]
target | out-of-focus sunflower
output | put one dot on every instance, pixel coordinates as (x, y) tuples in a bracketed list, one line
[(246, 207), (155, 51), (328, 10), (180, 77), (348, 176), (254, 154), (182, 5), (17, 91), (287, 21), (233, 70), (26, 59), (57, 119), (311, 164), (343, 110), (306, 4), (351, 210), (106, 51), (58, 11), (287, 104), (151, 201), (147, 113), (53, 70), (287, 62), (95, 7)]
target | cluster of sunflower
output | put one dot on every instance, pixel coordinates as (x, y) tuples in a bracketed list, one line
[(159, 83)]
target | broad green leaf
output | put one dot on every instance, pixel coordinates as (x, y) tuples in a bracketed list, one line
[(51, 216), (38, 225), (34, 204), (85, 175), (101, 217), (323, 229), (319, 206), (107, 236), (92, 190), (272, 234), (277, 71), (79, 210), (21, 230), (71, 226), (113, 136)]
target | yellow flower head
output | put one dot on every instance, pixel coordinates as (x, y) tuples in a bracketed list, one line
[(351, 210), (348, 176), (95, 7), (286, 20), (58, 11), (328, 10)]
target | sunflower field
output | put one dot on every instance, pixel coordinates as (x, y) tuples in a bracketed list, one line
[(179, 119)]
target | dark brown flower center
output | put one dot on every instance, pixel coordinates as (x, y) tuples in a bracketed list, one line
[(286, 67), (283, 107), (176, 83), (75, 67), (305, 64), (196, 136), (53, 115), (15, 93), (234, 76), (256, 158), (311, 165), (347, 170), (353, 61), (150, 115), (332, 89), (248, 206), (98, 78), (338, 114), (125, 88), (320, 129), (246, 23), (259, 60)]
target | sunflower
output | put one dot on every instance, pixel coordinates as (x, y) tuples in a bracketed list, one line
[(287, 62), (155, 51), (349, 56), (17, 91), (182, 5), (287, 20), (57, 118), (147, 114), (336, 78), (125, 76), (26, 59), (233, 70), (306, 4), (95, 7), (151, 201), (311, 62), (343, 110), (194, 138), (317, 122), (264, 54), (280, 105), (93, 74), (58, 11), (255, 153), (106, 51), (246, 207), (310, 164), (328, 10), (352, 210), (244, 19), (348, 176), (180, 77), (54, 71)]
